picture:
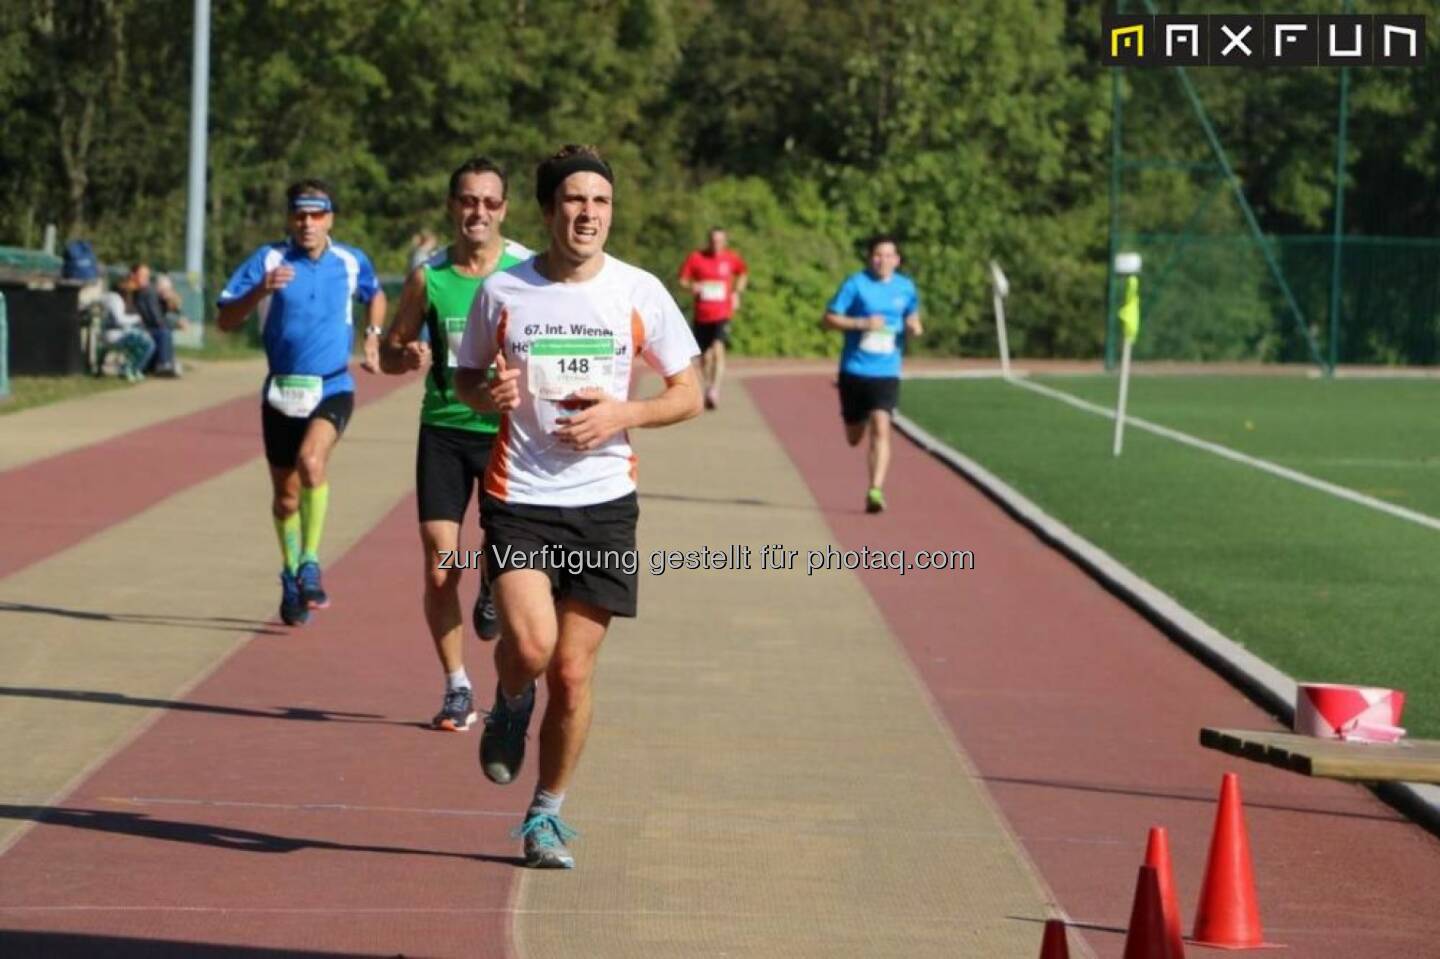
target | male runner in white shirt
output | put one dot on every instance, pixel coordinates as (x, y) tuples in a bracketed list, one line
[(563, 330)]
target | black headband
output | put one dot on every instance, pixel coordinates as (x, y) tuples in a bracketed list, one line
[(552, 173)]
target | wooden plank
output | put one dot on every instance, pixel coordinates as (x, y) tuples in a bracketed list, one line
[(1410, 760)]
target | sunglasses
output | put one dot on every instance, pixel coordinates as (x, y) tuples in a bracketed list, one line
[(475, 202)]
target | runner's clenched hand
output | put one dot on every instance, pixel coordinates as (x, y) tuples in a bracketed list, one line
[(592, 426), (505, 387)]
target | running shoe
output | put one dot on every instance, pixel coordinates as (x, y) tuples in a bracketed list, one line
[(486, 617), (293, 611), (712, 398), (545, 837), (310, 589), (458, 711), (502, 745), (874, 500)]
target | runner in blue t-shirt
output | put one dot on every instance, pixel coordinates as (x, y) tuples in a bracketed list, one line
[(877, 309), (302, 288)]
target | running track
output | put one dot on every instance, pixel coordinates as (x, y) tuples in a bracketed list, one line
[(1080, 717), (1083, 719)]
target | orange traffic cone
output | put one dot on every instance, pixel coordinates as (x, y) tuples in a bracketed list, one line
[(1146, 938), (1157, 855), (1229, 915), (1054, 946)]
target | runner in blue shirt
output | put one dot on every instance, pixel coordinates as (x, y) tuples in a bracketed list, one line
[(877, 309), (303, 289)]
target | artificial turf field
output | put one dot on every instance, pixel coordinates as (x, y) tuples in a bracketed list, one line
[(1324, 589)]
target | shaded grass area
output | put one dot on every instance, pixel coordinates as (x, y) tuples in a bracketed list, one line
[(27, 392), (1323, 589)]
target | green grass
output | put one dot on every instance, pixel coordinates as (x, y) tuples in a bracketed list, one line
[(27, 392), (1323, 589)]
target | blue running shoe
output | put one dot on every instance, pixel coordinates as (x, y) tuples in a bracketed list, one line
[(310, 589), (293, 611), (458, 711), (545, 837), (502, 745)]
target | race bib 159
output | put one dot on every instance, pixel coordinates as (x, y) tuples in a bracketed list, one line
[(295, 395)]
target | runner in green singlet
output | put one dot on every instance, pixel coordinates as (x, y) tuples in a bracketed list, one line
[(455, 441)]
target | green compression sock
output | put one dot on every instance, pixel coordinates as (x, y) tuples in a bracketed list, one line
[(313, 503), (287, 530)]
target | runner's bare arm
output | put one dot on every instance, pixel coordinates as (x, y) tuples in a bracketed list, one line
[(913, 325), (401, 348), (834, 321), (233, 315), (679, 401), (374, 320)]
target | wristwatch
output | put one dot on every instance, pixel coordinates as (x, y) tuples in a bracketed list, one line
[(373, 330)]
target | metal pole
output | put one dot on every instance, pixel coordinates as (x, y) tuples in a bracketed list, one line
[(1339, 224), (199, 115), (1115, 161), (4, 350), (1119, 441), (1000, 330)]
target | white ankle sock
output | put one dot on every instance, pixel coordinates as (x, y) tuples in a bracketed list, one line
[(546, 803), (456, 680)]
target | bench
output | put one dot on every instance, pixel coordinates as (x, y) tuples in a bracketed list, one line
[(1409, 760)]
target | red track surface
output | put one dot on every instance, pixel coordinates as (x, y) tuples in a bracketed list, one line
[(1083, 719), (54, 503), (291, 802)]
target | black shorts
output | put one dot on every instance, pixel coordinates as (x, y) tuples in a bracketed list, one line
[(587, 551), (860, 395), (284, 434), (707, 333), (449, 467)]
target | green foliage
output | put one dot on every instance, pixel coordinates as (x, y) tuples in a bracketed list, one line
[(972, 131)]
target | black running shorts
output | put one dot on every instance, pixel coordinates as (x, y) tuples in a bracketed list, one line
[(860, 395), (587, 551), (449, 468), (284, 434), (707, 333)]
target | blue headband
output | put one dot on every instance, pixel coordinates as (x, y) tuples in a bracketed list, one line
[(311, 202)]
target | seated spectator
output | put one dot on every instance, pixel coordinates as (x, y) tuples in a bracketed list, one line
[(175, 316), (125, 333), (152, 314)]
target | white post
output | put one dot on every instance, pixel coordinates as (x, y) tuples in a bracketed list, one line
[(1002, 288), (199, 113), (1124, 389)]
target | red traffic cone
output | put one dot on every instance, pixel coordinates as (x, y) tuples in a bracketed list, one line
[(1054, 945), (1146, 938), (1229, 915), (1157, 855)]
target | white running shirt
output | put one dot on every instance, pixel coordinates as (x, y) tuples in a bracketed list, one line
[(564, 337)]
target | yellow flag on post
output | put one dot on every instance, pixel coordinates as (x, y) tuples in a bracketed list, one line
[(1130, 309)]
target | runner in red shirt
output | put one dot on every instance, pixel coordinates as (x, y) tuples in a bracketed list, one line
[(716, 275)]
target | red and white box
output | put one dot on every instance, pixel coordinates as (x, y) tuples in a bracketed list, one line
[(1353, 713)]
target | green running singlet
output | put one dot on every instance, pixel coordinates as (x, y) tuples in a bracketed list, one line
[(448, 295)]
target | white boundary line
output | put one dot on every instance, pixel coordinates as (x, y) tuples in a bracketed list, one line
[(1274, 469), (1269, 687)]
